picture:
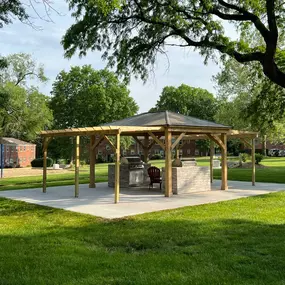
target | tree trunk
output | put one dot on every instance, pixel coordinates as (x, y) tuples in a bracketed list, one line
[(264, 145)]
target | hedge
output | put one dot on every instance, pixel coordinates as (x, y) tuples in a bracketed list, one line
[(39, 162)]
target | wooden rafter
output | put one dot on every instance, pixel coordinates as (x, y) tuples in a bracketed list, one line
[(101, 138), (152, 143), (181, 145), (138, 141), (246, 143), (109, 141), (177, 141), (159, 142), (217, 140)]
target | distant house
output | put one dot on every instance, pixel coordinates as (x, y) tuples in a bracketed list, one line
[(17, 153)]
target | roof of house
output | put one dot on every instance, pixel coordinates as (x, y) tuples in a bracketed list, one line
[(13, 141), (165, 118)]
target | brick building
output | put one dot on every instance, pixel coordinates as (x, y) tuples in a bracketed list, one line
[(188, 149), (17, 153)]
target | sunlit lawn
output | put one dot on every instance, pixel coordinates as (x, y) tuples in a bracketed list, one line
[(236, 242), (275, 172)]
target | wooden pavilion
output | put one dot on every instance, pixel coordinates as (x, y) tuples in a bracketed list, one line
[(171, 126)]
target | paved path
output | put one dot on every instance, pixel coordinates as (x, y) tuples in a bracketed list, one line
[(99, 201)]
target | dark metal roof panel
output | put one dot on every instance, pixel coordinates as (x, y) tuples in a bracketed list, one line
[(165, 118)]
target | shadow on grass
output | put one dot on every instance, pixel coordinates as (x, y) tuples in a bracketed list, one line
[(41, 245)]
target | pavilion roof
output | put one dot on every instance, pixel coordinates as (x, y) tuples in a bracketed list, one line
[(165, 118)]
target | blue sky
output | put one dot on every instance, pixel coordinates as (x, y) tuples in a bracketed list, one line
[(44, 45)]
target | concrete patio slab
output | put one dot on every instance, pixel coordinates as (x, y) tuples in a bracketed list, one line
[(100, 201)]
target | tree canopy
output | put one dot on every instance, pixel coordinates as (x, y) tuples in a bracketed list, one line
[(20, 68), (131, 33), (250, 101), (86, 97), (24, 111), (187, 100), (25, 11)]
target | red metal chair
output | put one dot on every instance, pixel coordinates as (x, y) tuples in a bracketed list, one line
[(154, 175)]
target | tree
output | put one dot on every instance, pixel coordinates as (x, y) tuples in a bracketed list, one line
[(84, 97), (21, 67), (23, 112), (187, 100), (133, 32), (19, 9), (250, 101)]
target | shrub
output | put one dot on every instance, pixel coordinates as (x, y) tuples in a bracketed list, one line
[(258, 158), (82, 162), (100, 159), (243, 157), (39, 162), (156, 156)]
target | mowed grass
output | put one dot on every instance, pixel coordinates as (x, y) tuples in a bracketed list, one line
[(275, 173), (234, 242)]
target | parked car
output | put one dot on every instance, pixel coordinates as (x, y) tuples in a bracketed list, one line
[(273, 152), (282, 152)]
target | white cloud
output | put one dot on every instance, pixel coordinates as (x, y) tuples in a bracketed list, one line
[(185, 66)]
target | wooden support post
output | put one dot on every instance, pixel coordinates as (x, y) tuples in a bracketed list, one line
[(212, 150), (253, 161), (92, 162), (45, 145), (168, 164), (145, 149), (224, 185), (177, 152), (117, 169), (77, 143)]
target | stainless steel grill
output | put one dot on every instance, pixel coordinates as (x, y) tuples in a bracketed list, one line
[(135, 162)]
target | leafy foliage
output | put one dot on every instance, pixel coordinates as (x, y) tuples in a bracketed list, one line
[(131, 33), (84, 97), (20, 68), (10, 9), (23, 112), (39, 162), (258, 158), (187, 100), (250, 101)]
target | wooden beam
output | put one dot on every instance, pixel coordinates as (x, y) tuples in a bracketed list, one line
[(153, 143), (248, 144), (145, 148), (139, 142), (177, 140), (109, 141), (117, 169), (92, 162), (199, 130), (181, 145), (168, 164), (224, 185), (212, 150), (177, 153), (45, 146), (77, 144), (159, 142), (217, 140), (95, 144), (253, 161)]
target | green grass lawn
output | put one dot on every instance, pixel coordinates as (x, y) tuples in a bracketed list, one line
[(275, 172), (234, 242)]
